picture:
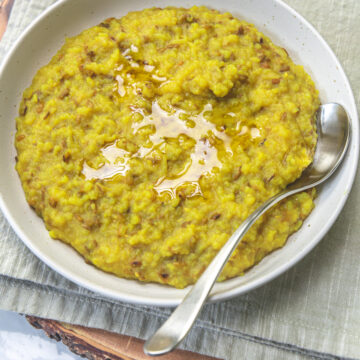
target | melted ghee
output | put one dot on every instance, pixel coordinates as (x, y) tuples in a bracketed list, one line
[(168, 125), (203, 160)]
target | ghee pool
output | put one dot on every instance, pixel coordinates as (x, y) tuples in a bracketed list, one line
[(147, 140)]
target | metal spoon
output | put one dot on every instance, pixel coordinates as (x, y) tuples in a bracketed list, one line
[(333, 129)]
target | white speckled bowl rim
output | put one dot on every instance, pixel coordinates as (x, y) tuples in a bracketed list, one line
[(67, 18)]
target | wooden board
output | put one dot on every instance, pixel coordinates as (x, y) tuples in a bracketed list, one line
[(95, 344)]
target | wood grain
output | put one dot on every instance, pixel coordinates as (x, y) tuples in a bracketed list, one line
[(96, 344), (5, 9)]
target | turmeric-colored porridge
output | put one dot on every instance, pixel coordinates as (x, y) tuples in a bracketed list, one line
[(147, 140)]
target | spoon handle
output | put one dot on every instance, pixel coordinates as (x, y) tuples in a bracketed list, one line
[(173, 331)]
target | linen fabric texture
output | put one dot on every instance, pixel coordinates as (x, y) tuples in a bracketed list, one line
[(311, 311)]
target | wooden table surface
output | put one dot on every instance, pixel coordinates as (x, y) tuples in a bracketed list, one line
[(95, 344)]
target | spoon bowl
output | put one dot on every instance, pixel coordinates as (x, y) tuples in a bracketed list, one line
[(333, 129)]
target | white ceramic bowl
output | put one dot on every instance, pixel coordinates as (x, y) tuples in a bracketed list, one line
[(67, 18)]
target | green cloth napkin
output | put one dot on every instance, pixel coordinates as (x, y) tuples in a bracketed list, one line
[(312, 311)]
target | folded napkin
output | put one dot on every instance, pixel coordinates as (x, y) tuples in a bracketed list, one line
[(313, 310)]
